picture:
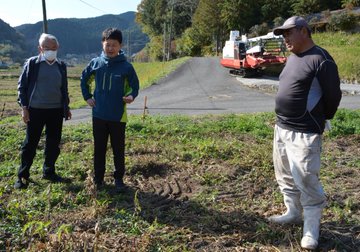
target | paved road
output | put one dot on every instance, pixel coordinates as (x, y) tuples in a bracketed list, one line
[(350, 99), (202, 86)]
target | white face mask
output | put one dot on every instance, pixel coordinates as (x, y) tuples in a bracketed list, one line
[(50, 55)]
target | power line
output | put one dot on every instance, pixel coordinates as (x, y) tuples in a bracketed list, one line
[(92, 6)]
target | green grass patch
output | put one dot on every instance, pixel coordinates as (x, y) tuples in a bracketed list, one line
[(346, 122), (151, 72), (345, 49), (225, 160)]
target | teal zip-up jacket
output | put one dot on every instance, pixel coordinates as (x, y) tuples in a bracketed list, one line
[(114, 79)]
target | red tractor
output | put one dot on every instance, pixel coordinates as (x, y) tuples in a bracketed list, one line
[(248, 57)]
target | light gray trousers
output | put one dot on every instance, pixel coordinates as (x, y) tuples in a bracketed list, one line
[(296, 159)]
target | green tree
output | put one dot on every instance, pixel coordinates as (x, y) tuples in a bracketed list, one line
[(155, 48), (166, 20), (304, 7), (180, 14), (151, 16), (272, 9), (330, 4), (240, 14), (207, 21), (190, 44)]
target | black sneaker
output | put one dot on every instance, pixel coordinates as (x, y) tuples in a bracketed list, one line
[(120, 186), (53, 177), (21, 183)]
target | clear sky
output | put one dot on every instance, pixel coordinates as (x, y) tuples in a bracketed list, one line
[(18, 12)]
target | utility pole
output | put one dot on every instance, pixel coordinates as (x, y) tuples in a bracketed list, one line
[(170, 32), (164, 51), (45, 27)]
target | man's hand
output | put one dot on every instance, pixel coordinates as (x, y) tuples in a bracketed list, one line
[(91, 102), (69, 115), (25, 115), (128, 99)]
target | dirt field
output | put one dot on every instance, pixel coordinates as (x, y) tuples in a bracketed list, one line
[(206, 207)]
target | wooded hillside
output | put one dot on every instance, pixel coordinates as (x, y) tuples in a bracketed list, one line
[(76, 36), (200, 27)]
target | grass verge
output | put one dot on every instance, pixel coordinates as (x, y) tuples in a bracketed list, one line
[(345, 49)]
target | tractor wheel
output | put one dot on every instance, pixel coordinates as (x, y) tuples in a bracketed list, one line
[(238, 72), (245, 72)]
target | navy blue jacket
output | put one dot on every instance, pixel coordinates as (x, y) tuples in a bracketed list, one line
[(114, 78), (27, 83)]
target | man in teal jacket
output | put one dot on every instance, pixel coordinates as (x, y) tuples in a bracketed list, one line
[(116, 84)]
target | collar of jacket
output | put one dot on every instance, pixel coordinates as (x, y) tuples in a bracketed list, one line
[(119, 57)]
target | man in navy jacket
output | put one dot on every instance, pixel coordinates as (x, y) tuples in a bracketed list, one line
[(116, 85)]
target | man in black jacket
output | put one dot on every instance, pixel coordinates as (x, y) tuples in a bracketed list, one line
[(44, 99), (308, 96)]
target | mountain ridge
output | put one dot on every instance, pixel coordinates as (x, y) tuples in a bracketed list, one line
[(78, 37)]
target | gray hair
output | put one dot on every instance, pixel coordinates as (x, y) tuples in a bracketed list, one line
[(46, 36)]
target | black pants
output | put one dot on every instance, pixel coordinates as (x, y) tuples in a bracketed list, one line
[(52, 120), (101, 131)]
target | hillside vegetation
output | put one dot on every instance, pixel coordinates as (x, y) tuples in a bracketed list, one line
[(345, 49), (201, 27)]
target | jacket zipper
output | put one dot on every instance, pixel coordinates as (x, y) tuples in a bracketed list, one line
[(32, 94), (110, 82), (104, 79)]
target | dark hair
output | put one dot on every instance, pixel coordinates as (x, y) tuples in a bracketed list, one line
[(112, 33)]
